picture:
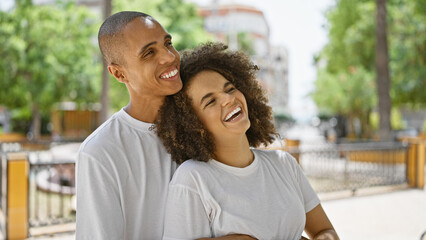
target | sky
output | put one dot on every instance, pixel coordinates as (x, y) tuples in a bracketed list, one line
[(6, 4), (297, 25)]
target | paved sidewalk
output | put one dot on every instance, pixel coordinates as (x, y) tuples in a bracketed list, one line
[(397, 215)]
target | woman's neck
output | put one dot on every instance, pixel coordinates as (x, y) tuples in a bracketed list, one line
[(235, 152)]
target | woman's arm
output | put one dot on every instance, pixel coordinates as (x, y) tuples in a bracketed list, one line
[(232, 237), (186, 217), (318, 226)]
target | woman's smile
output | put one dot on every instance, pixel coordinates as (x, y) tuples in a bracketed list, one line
[(235, 115)]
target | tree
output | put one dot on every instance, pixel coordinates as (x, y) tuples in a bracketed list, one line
[(382, 69), (345, 86), (351, 94), (46, 56), (245, 43), (105, 73), (352, 43), (407, 52)]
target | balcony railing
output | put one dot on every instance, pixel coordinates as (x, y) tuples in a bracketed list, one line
[(51, 190), (39, 184), (333, 167)]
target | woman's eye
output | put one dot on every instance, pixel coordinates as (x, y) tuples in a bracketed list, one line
[(230, 90), (169, 43), (210, 102)]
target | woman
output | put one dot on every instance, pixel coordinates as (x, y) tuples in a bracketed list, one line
[(227, 186)]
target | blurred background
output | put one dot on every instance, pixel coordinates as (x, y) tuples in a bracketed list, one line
[(317, 61), (346, 80)]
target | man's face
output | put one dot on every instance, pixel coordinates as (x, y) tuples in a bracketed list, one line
[(151, 63)]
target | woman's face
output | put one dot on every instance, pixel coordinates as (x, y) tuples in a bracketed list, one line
[(220, 106)]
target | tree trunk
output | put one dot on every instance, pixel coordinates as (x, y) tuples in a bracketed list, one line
[(105, 74), (365, 125), (104, 94), (382, 69), (35, 131)]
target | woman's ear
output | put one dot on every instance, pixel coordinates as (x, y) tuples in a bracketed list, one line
[(117, 72)]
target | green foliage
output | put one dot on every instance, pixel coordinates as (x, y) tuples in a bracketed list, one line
[(408, 52), (345, 93), (424, 127), (20, 120), (352, 40), (178, 17), (284, 117), (46, 56), (351, 36), (396, 120), (245, 43)]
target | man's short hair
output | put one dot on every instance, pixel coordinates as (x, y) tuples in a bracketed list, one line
[(110, 36)]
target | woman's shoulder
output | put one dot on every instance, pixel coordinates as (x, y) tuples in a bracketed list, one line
[(272, 153), (187, 170), (192, 165), (275, 156)]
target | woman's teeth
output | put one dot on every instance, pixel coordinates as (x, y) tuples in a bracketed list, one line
[(229, 116)]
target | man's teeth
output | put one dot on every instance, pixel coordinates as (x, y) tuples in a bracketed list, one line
[(232, 113), (170, 74)]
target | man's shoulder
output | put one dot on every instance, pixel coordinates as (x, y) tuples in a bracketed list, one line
[(101, 136), (116, 136)]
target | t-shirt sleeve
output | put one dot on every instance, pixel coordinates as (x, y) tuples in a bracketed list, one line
[(186, 217), (99, 214), (310, 197)]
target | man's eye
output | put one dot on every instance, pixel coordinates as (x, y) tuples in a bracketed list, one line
[(169, 43), (148, 53)]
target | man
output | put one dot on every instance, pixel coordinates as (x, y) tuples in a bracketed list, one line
[(123, 170)]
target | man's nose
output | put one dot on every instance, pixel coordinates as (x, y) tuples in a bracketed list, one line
[(167, 56)]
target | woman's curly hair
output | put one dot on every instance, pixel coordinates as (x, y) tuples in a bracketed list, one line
[(178, 126)]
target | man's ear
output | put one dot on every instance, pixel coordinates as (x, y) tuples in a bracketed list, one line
[(117, 72)]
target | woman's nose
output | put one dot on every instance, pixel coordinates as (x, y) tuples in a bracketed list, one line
[(227, 99)]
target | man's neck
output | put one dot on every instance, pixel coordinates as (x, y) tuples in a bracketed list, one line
[(144, 109), (234, 153)]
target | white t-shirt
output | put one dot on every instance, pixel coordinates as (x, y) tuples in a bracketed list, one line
[(123, 172), (267, 199)]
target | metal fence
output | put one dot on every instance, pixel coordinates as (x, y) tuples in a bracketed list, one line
[(51, 183), (331, 167), (51, 190), (51, 186)]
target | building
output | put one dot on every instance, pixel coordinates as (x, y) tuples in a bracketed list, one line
[(273, 74), (227, 22)]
